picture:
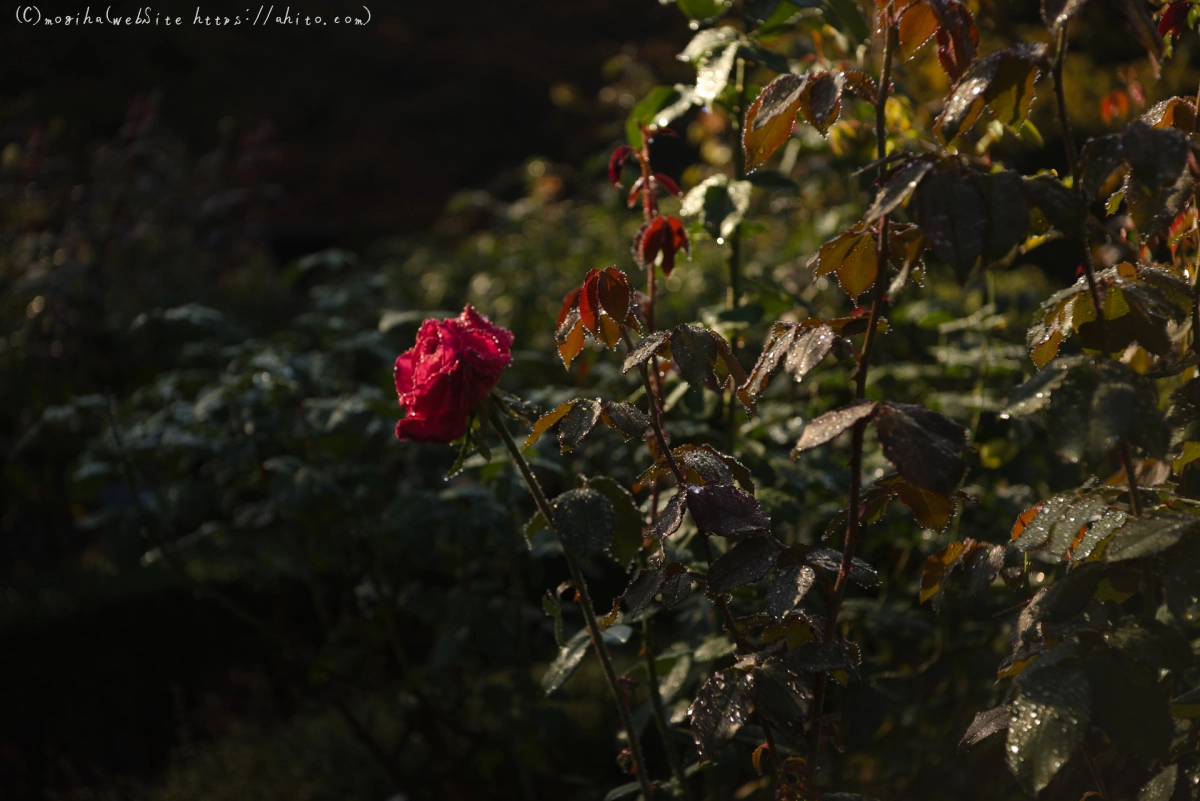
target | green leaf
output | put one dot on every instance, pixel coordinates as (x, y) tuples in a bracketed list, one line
[(850, 14), (1182, 587), (553, 609), (702, 9), (1151, 642), (627, 532), (1050, 716), (1058, 204), (1159, 183), (585, 521), (1096, 405), (569, 658), (536, 523), (712, 72), (643, 112), (1146, 536), (1161, 787), (718, 203)]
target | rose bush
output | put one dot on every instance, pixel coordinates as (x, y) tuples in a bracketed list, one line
[(452, 367)]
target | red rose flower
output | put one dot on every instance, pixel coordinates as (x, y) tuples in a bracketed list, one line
[(449, 371)]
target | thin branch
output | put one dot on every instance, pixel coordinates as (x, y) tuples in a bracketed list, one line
[(853, 525), (585, 603), (659, 711)]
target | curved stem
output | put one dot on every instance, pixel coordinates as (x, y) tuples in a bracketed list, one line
[(734, 295), (658, 710), (718, 600), (1089, 267), (853, 525), (585, 603), (1060, 92)]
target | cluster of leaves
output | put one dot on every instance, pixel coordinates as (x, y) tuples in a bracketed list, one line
[(1117, 616)]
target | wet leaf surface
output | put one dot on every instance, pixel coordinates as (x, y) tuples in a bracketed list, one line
[(578, 423), (645, 350), (1128, 704), (824, 428), (985, 725), (671, 517), (585, 521), (1050, 714), (788, 587), (626, 419), (676, 586), (726, 511), (771, 118), (745, 563), (722, 706), (569, 658)]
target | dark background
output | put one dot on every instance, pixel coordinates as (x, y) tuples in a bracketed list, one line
[(376, 126), (367, 132)]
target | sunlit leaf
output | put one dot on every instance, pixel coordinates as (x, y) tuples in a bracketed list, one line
[(829, 425)]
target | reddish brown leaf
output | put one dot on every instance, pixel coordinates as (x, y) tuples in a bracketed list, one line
[(771, 118), (667, 183), (589, 301), (570, 338), (634, 192), (918, 23), (957, 39), (939, 566), (821, 98), (569, 302), (614, 292), (618, 157), (1024, 519), (662, 234), (863, 85)]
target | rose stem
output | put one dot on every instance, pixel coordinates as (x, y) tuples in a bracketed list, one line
[(853, 527), (1089, 269), (649, 210), (718, 600), (585, 603)]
